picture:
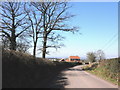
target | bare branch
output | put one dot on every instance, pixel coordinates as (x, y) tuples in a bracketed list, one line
[(14, 21), (6, 23), (17, 23), (6, 33), (22, 31)]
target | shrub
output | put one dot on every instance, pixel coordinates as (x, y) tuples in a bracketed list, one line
[(110, 68)]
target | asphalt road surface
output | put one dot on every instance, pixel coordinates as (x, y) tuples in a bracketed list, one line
[(77, 78)]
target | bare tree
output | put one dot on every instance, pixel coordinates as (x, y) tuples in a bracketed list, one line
[(91, 56), (5, 43), (13, 21), (54, 16), (100, 54), (22, 46), (35, 19)]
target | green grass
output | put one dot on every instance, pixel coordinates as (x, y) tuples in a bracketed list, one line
[(103, 74)]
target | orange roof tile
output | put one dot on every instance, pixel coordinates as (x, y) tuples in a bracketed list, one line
[(74, 57)]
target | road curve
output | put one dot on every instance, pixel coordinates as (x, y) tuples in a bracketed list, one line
[(76, 78)]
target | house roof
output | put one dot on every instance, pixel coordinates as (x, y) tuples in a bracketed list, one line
[(74, 57)]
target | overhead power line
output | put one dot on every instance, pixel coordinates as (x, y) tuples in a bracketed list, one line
[(111, 41)]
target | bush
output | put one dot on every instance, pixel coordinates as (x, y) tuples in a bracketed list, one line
[(110, 69), (111, 65)]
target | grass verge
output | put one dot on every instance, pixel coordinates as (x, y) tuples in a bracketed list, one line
[(102, 71)]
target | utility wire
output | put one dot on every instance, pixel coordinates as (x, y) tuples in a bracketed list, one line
[(109, 45), (110, 41)]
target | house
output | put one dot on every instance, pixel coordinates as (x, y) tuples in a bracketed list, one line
[(73, 59)]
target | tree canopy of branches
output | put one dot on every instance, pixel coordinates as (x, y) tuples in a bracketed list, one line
[(13, 22), (22, 46), (53, 17), (5, 43), (91, 56), (40, 20), (35, 18), (100, 54)]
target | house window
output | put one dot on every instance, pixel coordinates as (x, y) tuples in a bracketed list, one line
[(72, 59), (75, 59)]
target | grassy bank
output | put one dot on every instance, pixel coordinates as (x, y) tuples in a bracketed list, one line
[(20, 70), (107, 69)]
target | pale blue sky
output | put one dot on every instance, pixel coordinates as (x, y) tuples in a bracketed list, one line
[(98, 22)]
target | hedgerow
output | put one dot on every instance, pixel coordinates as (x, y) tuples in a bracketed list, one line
[(20, 70)]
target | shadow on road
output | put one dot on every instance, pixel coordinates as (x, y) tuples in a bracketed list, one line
[(72, 69), (58, 82)]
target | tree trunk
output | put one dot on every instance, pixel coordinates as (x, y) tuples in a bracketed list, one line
[(13, 43), (44, 47), (13, 40), (13, 36), (34, 50), (44, 36)]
